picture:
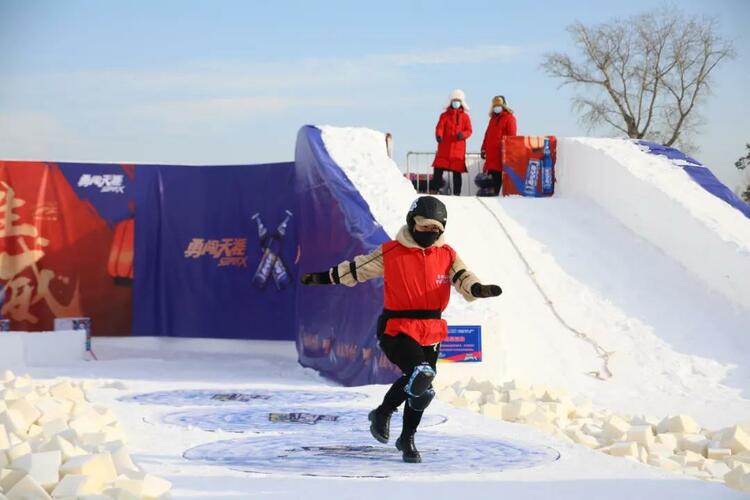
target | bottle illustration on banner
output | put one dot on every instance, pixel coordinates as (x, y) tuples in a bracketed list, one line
[(262, 231), (532, 177), (270, 262), (547, 177)]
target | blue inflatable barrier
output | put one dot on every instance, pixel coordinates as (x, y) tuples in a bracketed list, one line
[(335, 325), (699, 173)]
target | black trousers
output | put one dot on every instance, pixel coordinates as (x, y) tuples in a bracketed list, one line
[(497, 182), (406, 353), (438, 181)]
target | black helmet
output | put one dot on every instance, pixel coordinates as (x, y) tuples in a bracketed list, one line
[(428, 207)]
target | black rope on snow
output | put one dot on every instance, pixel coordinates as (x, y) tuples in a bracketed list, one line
[(600, 351)]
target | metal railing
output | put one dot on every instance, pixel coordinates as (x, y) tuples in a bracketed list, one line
[(419, 171)]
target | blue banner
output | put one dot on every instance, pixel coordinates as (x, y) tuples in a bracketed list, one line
[(464, 344), (336, 324), (699, 173), (215, 251)]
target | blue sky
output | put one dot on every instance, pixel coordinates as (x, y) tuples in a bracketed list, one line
[(231, 82)]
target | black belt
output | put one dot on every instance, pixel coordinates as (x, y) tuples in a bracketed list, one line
[(407, 314), (413, 313)]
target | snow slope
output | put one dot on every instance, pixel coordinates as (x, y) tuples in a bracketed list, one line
[(679, 343)]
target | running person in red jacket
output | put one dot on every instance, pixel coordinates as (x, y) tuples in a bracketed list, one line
[(453, 128), (502, 123), (418, 268)]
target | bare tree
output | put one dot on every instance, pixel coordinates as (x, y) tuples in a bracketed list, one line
[(644, 75)]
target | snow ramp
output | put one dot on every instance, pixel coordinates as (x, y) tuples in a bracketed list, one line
[(627, 286)]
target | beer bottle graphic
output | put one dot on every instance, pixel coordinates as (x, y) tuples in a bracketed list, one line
[(271, 251), (532, 176), (262, 231), (280, 274), (547, 184)]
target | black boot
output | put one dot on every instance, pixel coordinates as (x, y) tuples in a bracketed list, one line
[(380, 424), (405, 444)]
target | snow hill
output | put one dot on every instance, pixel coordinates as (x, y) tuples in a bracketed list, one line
[(631, 253)]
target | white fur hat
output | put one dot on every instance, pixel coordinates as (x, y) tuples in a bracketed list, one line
[(458, 94)]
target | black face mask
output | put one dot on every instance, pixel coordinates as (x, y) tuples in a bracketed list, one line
[(425, 239)]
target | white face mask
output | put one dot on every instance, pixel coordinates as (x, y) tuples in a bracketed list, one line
[(455, 104), (497, 110)]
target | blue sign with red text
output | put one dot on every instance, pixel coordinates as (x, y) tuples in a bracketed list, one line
[(463, 345)]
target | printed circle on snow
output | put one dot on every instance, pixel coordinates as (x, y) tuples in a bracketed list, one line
[(254, 420), (250, 397), (357, 454)]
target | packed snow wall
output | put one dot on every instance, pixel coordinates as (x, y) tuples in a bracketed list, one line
[(336, 324), (149, 249), (659, 200)]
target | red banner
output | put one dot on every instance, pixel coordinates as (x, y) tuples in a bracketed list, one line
[(55, 246)]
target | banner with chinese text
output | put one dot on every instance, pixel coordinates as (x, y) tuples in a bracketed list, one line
[(216, 251), (57, 228), (149, 250)]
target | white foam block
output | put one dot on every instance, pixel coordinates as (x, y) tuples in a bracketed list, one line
[(28, 488), (517, 409), (736, 440), (42, 467), (98, 467), (624, 449), (682, 423), (74, 485)]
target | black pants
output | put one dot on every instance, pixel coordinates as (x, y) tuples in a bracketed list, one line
[(497, 182), (438, 181), (406, 353)]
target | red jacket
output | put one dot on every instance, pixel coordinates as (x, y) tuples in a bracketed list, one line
[(416, 278), (451, 152), (498, 126)]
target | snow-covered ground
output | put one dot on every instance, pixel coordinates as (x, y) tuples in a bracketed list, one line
[(135, 366)]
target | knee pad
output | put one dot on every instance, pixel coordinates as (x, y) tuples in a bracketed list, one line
[(419, 403), (420, 380)]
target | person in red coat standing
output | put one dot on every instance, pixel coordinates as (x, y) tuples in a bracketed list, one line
[(502, 123), (453, 128)]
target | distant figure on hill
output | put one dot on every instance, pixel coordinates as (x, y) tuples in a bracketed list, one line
[(453, 128), (502, 123)]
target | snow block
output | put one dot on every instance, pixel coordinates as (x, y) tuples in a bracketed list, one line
[(9, 478), (73, 485), (494, 410), (66, 448), (28, 488), (64, 390), (736, 440), (517, 409), (624, 449), (718, 453), (716, 468), (696, 443), (641, 434), (99, 468), (19, 450), (738, 478), (615, 428), (42, 467), (14, 422)]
